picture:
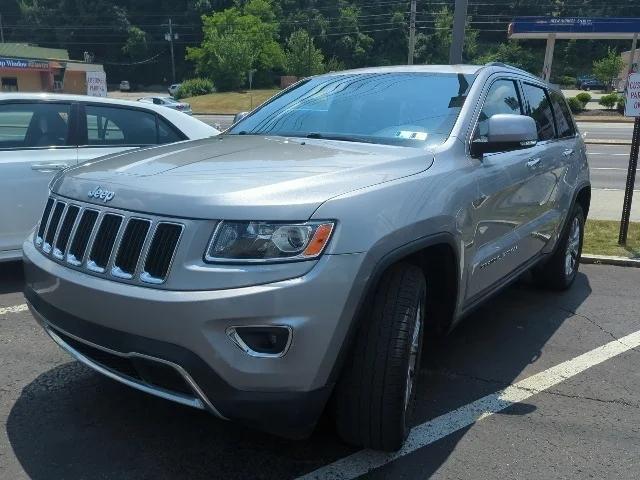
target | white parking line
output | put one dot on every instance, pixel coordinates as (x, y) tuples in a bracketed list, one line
[(609, 154), (609, 168), (429, 432), (14, 309)]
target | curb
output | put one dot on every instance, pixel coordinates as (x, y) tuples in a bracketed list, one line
[(603, 119), (216, 113), (608, 260), (600, 141)]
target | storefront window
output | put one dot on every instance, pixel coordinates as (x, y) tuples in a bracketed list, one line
[(9, 84)]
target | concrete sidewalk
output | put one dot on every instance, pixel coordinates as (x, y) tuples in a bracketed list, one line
[(607, 205)]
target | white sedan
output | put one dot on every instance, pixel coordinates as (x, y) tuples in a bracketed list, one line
[(173, 89), (169, 103), (41, 134)]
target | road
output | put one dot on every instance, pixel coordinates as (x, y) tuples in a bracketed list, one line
[(60, 420), (606, 131)]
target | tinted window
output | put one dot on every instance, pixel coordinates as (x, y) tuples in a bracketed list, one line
[(24, 125), (540, 110), (9, 84), (166, 133), (564, 120), (120, 126), (502, 98), (409, 108)]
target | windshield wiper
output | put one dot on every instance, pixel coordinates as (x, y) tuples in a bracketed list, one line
[(343, 138)]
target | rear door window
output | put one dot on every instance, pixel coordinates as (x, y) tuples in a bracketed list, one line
[(107, 126), (166, 132), (564, 119), (540, 110), (32, 125)]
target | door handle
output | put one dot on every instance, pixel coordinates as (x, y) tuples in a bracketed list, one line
[(49, 167), (534, 163), (568, 152)]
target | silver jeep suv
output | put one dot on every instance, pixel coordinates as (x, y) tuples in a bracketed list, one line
[(310, 250)]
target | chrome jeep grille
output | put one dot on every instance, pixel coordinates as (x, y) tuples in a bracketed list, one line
[(117, 244)]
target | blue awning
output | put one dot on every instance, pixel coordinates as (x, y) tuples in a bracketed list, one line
[(574, 27)]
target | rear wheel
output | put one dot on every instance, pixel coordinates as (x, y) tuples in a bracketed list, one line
[(560, 271), (376, 393)]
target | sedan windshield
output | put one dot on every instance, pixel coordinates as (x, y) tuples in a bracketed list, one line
[(407, 108)]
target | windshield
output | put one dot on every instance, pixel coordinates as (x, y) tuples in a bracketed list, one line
[(408, 108)]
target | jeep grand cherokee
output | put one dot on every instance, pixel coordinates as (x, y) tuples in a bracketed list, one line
[(307, 252)]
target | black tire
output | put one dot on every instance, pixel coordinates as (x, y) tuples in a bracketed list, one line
[(371, 405), (554, 273)]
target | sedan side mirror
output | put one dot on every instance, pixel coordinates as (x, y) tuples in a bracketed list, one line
[(507, 132), (239, 116)]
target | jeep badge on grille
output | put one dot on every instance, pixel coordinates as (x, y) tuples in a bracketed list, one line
[(100, 193)]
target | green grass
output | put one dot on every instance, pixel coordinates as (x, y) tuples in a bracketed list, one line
[(229, 102), (601, 238)]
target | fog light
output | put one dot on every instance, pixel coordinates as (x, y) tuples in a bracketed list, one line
[(261, 340)]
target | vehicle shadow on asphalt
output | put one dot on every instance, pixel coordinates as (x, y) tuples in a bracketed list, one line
[(11, 277), (72, 423)]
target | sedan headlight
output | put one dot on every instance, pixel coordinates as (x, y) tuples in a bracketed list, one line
[(253, 242)]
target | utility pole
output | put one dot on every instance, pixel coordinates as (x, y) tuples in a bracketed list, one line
[(1, 30), (171, 37), (412, 33), (308, 46), (457, 37)]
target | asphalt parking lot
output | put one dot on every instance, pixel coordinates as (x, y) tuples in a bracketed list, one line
[(566, 366)]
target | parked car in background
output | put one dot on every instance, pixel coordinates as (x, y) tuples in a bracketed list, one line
[(305, 256), (173, 89), (125, 86), (41, 134), (592, 84), (168, 102), (583, 78)]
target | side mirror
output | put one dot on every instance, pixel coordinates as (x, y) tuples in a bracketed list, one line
[(507, 132), (239, 116)]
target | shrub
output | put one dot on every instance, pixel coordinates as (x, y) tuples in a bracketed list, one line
[(567, 81), (620, 105), (584, 98), (194, 87), (609, 101), (575, 105)]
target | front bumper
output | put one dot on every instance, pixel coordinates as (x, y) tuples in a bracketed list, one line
[(186, 330)]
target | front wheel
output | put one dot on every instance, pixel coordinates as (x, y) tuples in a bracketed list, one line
[(376, 392), (560, 271)]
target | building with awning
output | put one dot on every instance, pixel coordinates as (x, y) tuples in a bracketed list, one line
[(30, 68), (575, 28)]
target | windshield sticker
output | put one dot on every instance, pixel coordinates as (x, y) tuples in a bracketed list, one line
[(412, 135)]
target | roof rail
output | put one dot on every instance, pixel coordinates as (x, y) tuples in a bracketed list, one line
[(506, 65)]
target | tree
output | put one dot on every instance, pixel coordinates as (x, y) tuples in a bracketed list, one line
[(512, 53), (434, 47), (344, 39), (136, 44), (302, 58), (608, 68), (236, 41)]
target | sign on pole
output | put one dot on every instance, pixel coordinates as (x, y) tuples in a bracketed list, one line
[(631, 109), (632, 100), (96, 84)]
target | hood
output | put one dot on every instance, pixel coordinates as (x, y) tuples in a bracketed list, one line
[(239, 177)]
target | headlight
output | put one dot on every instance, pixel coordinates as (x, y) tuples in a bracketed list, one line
[(268, 242)]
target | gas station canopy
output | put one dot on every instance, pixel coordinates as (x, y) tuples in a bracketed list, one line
[(574, 28)]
